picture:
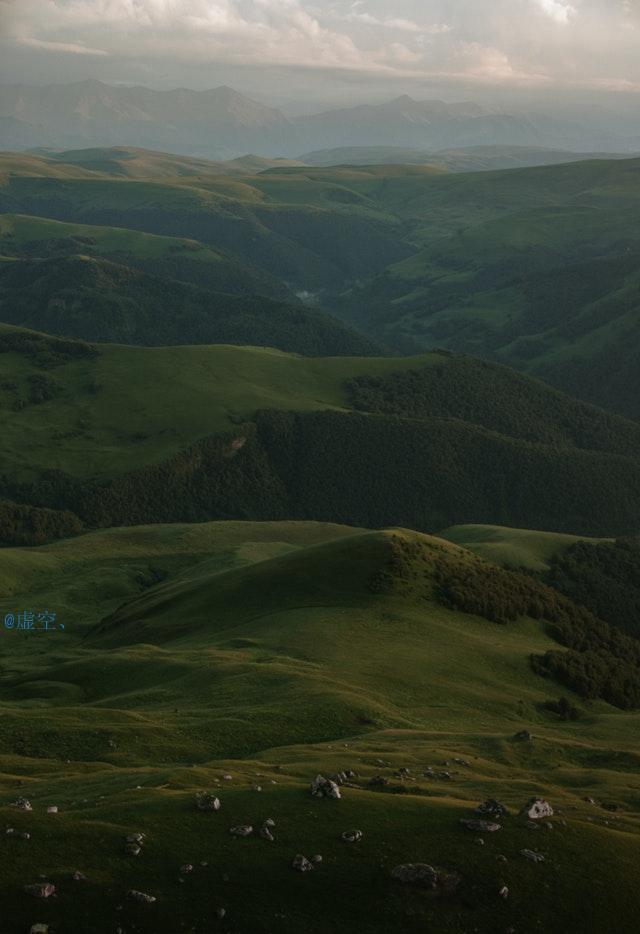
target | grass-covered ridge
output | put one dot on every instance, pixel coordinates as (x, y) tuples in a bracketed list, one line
[(236, 432)]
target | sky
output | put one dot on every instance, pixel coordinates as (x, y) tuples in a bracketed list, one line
[(294, 50)]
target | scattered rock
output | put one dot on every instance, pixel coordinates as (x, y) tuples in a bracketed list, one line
[(491, 808), (220, 913), (537, 808), (141, 897), (480, 826), (266, 830), (524, 736), (302, 864), (186, 868), (352, 836), (79, 876), (316, 860), (503, 892), (41, 889), (22, 804), (205, 801), (244, 830), (52, 809), (132, 849), (378, 781), (532, 855), (135, 838), (39, 929), (322, 787), (437, 881)]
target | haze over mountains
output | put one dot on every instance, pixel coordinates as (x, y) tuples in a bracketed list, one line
[(222, 123)]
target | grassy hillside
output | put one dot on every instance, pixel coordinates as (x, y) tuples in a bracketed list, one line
[(310, 235), (93, 299), (270, 656), (123, 435), (23, 237), (538, 268), (519, 548)]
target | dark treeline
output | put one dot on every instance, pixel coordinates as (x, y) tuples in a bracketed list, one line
[(362, 470), (499, 399), (604, 577), (94, 300), (602, 662)]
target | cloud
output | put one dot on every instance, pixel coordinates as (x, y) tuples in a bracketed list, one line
[(557, 10), (564, 43)]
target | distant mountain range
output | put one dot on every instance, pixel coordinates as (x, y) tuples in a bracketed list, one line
[(222, 123)]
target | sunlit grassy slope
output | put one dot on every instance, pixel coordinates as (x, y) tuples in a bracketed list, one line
[(512, 547), (143, 404), (266, 656)]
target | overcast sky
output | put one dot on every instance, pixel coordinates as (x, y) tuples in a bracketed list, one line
[(367, 48)]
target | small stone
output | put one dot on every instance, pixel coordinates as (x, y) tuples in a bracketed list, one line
[(141, 897), (491, 808), (352, 836), (302, 864), (227, 778), (503, 892), (220, 913), (316, 860), (265, 830), (537, 808), (207, 802), (41, 889), (52, 809), (378, 781), (78, 877), (10, 830), (524, 736), (322, 787), (135, 838), (132, 849), (532, 856), (22, 804), (244, 830), (424, 876), (186, 868), (39, 929)]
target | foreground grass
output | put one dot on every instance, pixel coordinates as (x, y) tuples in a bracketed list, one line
[(265, 656)]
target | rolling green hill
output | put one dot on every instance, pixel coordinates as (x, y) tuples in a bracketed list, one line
[(125, 435), (537, 268), (23, 237), (518, 548), (309, 235), (270, 654), (96, 300)]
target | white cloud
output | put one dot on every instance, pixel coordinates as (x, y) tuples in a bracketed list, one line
[(571, 43), (558, 10)]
